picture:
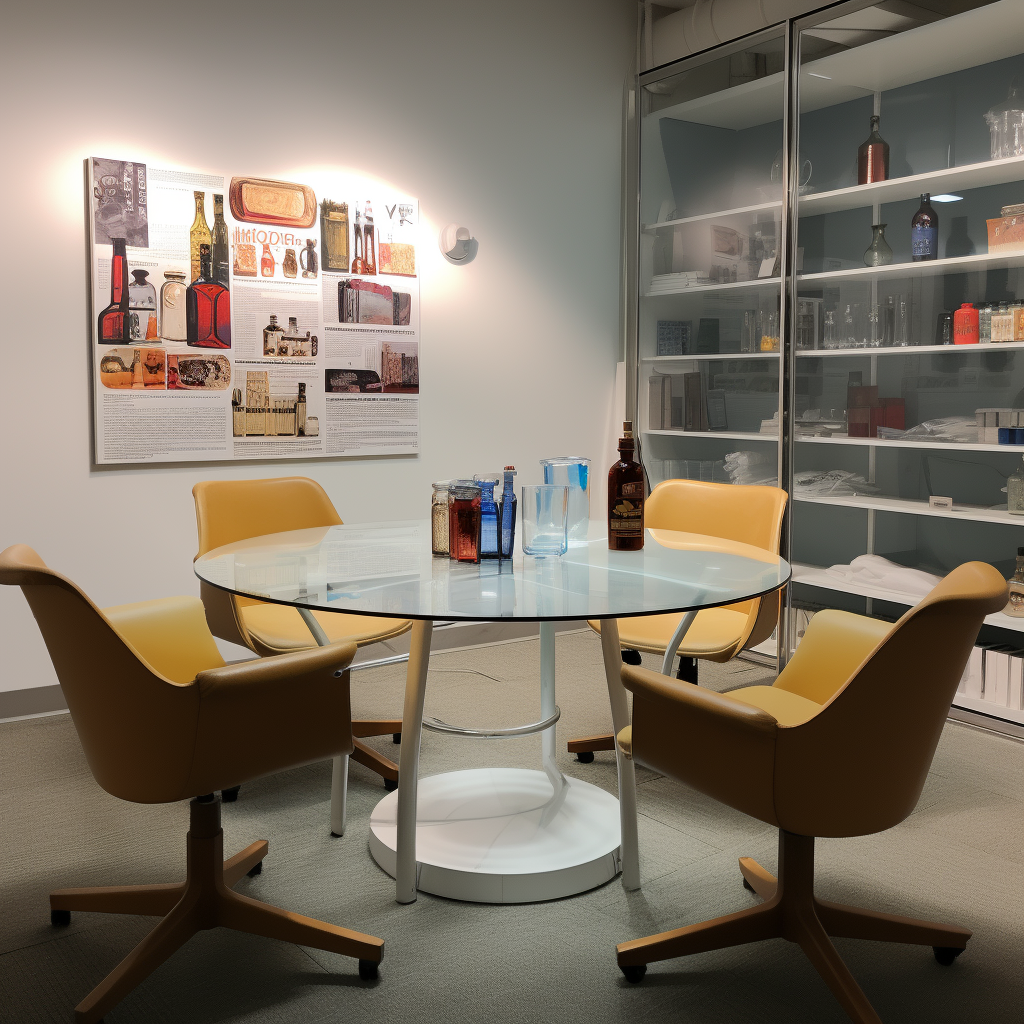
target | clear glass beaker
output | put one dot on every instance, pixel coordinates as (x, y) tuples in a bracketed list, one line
[(544, 510), (573, 472)]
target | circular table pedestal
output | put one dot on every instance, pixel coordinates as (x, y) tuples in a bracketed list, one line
[(500, 835)]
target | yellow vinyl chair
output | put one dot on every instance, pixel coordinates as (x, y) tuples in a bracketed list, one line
[(161, 718), (233, 510), (749, 514), (839, 746)]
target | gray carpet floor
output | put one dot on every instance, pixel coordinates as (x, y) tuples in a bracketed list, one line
[(959, 857)]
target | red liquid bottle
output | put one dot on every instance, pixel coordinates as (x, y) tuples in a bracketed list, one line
[(114, 322), (626, 497), (873, 157), (207, 308)]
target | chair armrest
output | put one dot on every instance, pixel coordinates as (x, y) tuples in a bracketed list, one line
[(710, 741), (169, 634), (266, 715), (835, 644)]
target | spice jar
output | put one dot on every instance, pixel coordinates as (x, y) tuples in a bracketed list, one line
[(965, 325), (464, 521), (439, 518)]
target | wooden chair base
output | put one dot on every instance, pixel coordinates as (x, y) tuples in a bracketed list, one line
[(203, 900), (791, 911), (366, 755)]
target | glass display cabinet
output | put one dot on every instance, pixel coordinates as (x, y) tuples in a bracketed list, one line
[(831, 295)]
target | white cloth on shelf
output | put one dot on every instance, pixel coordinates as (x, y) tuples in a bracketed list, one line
[(881, 574)]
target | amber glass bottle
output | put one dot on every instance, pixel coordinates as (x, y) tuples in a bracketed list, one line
[(626, 497)]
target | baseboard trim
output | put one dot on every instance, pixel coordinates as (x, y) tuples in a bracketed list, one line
[(455, 636)]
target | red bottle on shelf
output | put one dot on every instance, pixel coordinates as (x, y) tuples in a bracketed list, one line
[(207, 308), (965, 325), (873, 157)]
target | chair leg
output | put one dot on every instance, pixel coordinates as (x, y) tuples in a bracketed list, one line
[(204, 900), (855, 923), (145, 900), (760, 881), (751, 925), (792, 912), (245, 862), (339, 794), (378, 763)]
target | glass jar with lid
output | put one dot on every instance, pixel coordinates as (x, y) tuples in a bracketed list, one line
[(464, 520), (439, 518)]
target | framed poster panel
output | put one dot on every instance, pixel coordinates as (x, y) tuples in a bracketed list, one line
[(242, 317)]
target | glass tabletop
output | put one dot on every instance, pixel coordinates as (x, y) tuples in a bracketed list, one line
[(388, 569)]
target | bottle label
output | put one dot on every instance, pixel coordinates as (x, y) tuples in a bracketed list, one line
[(626, 511), (924, 243)]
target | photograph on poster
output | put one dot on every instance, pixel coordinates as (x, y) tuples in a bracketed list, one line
[(217, 288)]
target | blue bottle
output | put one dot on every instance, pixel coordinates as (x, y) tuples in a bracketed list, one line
[(508, 514), (489, 547)]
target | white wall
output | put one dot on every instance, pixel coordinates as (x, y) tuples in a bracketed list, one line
[(504, 117)]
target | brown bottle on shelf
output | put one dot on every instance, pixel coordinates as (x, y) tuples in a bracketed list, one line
[(873, 157), (626, 497)]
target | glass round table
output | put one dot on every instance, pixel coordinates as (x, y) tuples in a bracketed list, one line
[(498, 835)]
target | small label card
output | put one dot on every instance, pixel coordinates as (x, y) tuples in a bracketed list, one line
[(946, 504)]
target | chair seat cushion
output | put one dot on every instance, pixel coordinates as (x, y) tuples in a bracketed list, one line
[(280, 628), (716, 634), (785, 707)]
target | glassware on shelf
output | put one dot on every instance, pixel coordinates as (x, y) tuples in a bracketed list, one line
[(807, 316), (889, 321), (985, 324), (831, 330), (924, 232), (142, 307), (439, 518), (545, 509), (1015, 491), (769, 320), (464, 521), (507, 512), (573, 472), (873, 157), (874, 335), (1006, 124), (902, 326), (965, 325), (852, 331), (750, 339), (944, 328), (1002, 323), (1015, 606), (879, 252), (173, 325)]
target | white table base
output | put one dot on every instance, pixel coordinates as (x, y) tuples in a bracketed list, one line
[(504, 835)]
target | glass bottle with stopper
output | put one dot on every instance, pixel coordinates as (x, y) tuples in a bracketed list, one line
[(626, 497), (873, 157)]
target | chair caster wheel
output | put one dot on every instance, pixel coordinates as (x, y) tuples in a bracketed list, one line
[(585, 757), (945, 955), (749, 887), (229, 796), (396, 737), (336, 835), (634, 975), (368, 970), (256, 869), (390, 785), (60, 918), (631, 657)]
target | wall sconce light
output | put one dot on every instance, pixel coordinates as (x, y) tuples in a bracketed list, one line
[(457, 244)]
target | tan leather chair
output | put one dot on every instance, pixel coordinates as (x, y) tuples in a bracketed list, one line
[(840, 745), (232, 510), (161, 718), (751, 515)]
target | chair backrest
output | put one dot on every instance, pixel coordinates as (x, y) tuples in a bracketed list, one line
[(137, 728), (858, 766), (232, 510), (750, 514)]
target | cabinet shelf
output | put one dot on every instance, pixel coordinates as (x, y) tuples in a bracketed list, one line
[(816, 576), (909, 350), (732, 286), (926, 268), (917, 508), (731, 435), (894, 190), (717, 215), (706, 356), (749, 435)]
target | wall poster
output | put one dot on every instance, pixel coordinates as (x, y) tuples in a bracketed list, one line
[(240, 317)]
